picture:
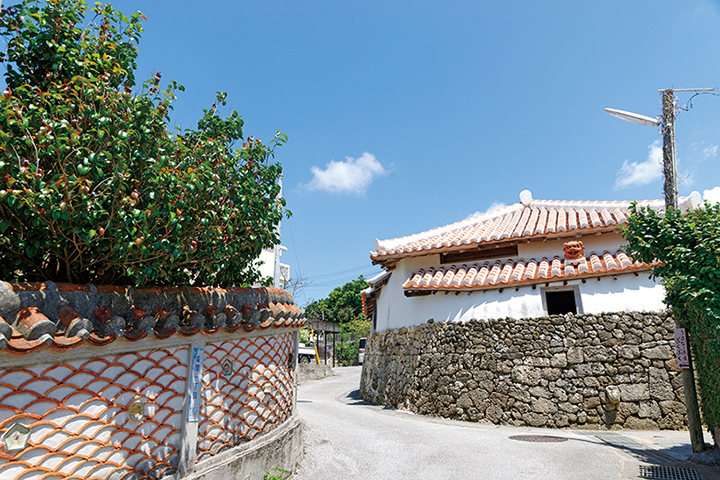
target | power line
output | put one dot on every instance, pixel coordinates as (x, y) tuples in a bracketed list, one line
[(337, 282), (344, 272)]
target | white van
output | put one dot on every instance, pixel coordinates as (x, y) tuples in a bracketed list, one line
[(361, 352)]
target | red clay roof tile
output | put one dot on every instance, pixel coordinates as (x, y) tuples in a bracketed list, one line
[(504, 273), (520, 221)]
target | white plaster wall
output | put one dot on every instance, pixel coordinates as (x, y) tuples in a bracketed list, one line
[(627, 293), (267, 257), (551, 248), (394, 310)]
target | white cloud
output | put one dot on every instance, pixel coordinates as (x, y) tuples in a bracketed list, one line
[(712, 195), (354, 175), (633, 174), (495, 206), (709, 152)]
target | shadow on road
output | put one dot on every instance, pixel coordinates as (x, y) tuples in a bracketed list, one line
[(637, 450), (354, 398)]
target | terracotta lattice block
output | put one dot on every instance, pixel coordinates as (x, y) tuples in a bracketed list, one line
[(78, 416), (248, 387)]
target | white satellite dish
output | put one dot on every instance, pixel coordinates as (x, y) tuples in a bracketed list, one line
[(526, 197), (633, 117)]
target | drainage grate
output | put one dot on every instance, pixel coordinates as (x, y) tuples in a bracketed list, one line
[(667, 473), (538, 438)]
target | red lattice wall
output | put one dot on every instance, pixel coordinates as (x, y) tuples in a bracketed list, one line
[(236, 405), (77, 413), (95, 381), (77, 409)]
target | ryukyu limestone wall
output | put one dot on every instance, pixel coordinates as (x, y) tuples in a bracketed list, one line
[(175, 397), (588, 371)]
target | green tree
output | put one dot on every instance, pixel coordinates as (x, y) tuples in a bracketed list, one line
[(93, 185), (344, 306), (685, 252)]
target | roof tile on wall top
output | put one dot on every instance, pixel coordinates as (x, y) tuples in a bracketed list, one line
[(524, 220), (504, 273), (61, 316)]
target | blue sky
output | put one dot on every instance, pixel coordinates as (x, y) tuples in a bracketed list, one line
[(406, 116)]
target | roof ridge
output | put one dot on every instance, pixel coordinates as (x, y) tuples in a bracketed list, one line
[(386, 247), (450, 227)]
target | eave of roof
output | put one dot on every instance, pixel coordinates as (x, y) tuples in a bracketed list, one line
[(512, 273), (368, 302), (523, 221)]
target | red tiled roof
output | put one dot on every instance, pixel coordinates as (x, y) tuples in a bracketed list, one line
[(505, 273), (27, 327), (368, 302), (520, 221), (368, 295)]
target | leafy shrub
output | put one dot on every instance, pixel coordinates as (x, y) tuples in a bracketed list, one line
[(347, 352), (93, 185), (686, 252), (280, 475)]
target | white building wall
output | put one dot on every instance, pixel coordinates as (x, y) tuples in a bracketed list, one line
[(626, 292), (551, 248), (268, 269)]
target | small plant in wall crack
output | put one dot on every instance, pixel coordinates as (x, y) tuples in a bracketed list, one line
[(276, 476)]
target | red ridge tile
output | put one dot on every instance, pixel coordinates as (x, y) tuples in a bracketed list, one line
[(28, 286), (111, 289), (72, 287)]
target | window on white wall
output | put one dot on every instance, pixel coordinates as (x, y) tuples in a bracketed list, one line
[(562, 300)]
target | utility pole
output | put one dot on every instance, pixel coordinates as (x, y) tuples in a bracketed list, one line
[(670, 188), (667, 127), (669, 165)]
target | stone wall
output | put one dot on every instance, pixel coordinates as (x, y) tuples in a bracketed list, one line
[(585, 371), (307, 372)]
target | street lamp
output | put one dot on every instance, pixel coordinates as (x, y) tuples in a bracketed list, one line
[(633, 117), (667, 129)]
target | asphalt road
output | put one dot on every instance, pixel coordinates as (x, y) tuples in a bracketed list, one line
[(346, 438)]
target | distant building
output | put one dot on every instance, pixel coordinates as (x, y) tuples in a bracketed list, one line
[(272, 267), (530, 259)]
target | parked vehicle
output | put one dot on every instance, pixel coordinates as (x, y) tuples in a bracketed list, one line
[(361, 351), (306, 353)]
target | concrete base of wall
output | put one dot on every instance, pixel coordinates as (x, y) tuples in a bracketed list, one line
[(312, 371), (281, 448)]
